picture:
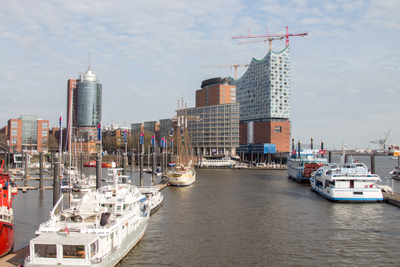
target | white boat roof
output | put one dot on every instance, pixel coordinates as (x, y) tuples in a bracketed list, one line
[(65, 239)]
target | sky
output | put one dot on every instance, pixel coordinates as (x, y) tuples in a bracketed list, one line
[(345, 82)]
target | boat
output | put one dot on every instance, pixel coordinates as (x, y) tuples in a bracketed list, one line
[(154, 196), (85, 185), (91, 163), (395, 174), (98, 229), (241, 166), (8, 190), (299, 168), (183, 173), (346, 182), (212, 162)]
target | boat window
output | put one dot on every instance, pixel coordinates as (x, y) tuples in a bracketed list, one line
[(1, 217), (351, 183), (45, 251), (74, 251), (94, 248)]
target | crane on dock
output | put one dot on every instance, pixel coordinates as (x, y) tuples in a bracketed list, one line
[(262, 40), (286, 35), (231, 66), (383, 143)]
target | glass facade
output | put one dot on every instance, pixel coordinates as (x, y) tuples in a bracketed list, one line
[(89, 104), (29, 132), (264, 90), (217, 131)]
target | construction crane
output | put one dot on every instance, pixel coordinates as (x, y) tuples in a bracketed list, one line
[(263, 40), (383, 143), (287, 34), (223, 66)]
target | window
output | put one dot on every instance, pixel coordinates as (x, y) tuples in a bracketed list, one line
[(44, 132), (14, 132), (43, 250), (278, 129), (44, 125), (44, 140), (14, 124), (13, 140), (73, 251)]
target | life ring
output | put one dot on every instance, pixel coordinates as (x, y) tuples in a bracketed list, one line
[(366, 186)]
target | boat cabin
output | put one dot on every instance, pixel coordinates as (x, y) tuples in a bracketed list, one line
[(65, 250)]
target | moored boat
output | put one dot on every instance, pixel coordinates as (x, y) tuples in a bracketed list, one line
[(299, 168), (98, 230), (212, 162), (154, 196), (346, 182), (8, 189), (395, 174)]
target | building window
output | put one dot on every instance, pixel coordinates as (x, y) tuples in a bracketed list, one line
[(44, 125), (14, 124), (13, 140), (44, 148), (44, 132), (14, 132), (278, 129), (44, 140)]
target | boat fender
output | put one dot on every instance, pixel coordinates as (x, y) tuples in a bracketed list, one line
[(366, 186)]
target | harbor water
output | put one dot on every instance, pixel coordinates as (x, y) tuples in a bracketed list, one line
[(249, 218)]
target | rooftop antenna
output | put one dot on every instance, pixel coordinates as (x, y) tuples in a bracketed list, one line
[(89, 62)]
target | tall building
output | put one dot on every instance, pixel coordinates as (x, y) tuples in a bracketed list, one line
[(264, 96), (28, 133), (84, 105), (215, 91)]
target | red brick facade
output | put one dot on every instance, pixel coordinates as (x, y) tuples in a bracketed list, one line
[(269, 132), (217, 94)]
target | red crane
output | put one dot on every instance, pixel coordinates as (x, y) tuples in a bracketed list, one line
[(287, 34)]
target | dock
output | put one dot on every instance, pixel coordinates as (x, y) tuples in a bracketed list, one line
[(391, 198), (15, 258)]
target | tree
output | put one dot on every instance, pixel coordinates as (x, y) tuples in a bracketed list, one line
[(52, 142), (146, 138)]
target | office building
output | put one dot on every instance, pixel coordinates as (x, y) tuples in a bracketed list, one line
[(28, 133), (215, 91)]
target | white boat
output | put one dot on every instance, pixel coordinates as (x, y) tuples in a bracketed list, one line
[(98, 230), (86, 184), (241, 166), (182, 175), (346, 182), (300, 168), (224, 162), (395, 174), (154, 196)]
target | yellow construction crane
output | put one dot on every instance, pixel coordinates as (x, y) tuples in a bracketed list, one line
[(263, 40), (223, 66)]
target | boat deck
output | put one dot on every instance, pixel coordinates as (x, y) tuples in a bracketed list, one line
[(15, 258)]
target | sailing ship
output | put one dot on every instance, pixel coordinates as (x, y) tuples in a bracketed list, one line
[(97, 230), (183, 173), (8, 189)]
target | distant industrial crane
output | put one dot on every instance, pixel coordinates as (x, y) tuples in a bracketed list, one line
[(223, 66), (383, 143), (263, 40), (287, 34)]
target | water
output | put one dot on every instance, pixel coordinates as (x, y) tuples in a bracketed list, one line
[(250, 218)]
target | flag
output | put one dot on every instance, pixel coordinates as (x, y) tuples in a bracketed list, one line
[(99, 132), (162, 142), (171, 133), (125, 135), (181, 130), (183, 140), (152, 140), (165, 142), (171, 142), (141, 138), (60, 121)]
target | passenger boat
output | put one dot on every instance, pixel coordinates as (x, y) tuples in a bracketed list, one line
[(346, 182), (154, 196), (224, 162), (8, 189), (183, 174), (395, 174), (98, 230), (299, 168)]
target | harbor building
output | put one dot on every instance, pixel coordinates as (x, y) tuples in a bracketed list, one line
[(84, 106), (216, 129), (215, 91), (28, 133), (264, 96)]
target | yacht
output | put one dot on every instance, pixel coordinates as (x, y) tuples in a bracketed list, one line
[(224, 162), (346, 182), (395, 174), (182, 175), (154, 196), (97, 230)]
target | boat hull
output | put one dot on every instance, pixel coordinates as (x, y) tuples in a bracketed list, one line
[(354, 195), (6, 238), (183, 180)]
